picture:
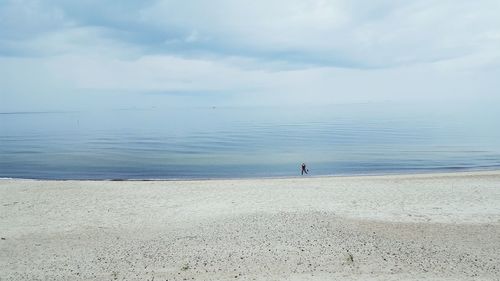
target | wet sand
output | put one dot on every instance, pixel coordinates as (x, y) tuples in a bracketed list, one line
[(404, 227)]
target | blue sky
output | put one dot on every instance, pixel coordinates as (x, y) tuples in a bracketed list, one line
[(71, 55)]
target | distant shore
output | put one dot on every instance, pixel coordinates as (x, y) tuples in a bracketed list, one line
[(434, 226)]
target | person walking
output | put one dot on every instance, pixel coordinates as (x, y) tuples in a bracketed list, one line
[(304, 169)]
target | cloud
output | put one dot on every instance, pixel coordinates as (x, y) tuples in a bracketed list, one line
[(79, 53), (23, 19), (337, 33)]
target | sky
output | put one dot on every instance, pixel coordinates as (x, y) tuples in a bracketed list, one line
[(87, 54)]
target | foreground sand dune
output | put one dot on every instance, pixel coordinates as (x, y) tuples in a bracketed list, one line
[(407, 227)]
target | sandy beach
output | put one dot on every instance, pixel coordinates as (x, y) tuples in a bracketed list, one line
[(397, 227)]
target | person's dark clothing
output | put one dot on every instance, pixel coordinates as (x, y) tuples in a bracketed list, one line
[(304, 170)]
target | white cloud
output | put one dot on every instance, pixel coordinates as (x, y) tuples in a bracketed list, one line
[(361, 33), (25, 18), (247, 52)]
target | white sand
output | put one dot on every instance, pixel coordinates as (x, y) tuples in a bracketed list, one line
[(409, 227)]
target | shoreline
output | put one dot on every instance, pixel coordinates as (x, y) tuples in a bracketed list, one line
[(466, 171), (443, 226)]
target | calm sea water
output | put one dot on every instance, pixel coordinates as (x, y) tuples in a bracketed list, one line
[(248, 142)]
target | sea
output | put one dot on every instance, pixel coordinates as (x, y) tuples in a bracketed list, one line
[(215, 142)]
